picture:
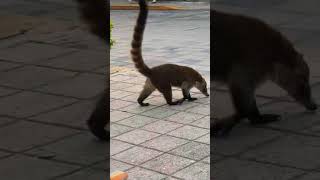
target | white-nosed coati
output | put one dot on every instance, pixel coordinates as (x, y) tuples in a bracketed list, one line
[(165, 76), (96, 14), (246, 52)]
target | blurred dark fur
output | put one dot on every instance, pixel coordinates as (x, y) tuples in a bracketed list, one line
[(96, 14)]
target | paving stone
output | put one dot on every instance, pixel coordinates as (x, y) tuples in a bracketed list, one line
[(242, 138), (28, 77), (204, 139), (164, 143), (222, 105), (119, 85), (24, 135), (313, 130), (119, 105), (119, 115), (137, 136), (136, 155), (120, 78), (284, 150), (102, 70), (79, 61), (242, 170), (137, 121), (6, 120), (162, 127), (23, 167), (185, 117), (82, 86), (119, 94), (182, 107), (26, 52), (4, 154), (203, 122), (118, 146), (117, 129), (81, 148), (118, 166), (310, 176), (29, 103), (75, 115), (167, 164), (4, 91), (160, 112), (206, 160), (189, 132), (200, 109), (4, 66), (195, 171), (136, 108), (86, 174), (144, 174), (192, 150), (270, 89), (292, 116)]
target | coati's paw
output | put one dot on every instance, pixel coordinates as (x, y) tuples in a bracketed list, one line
[(178, 102), (192, 99), (100, 133), (220, 130), (265, 119), (144, 104)]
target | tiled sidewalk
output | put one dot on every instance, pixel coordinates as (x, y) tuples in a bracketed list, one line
[(51, 72), (160, 141)]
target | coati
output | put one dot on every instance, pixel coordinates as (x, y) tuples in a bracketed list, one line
[(165, 76), (246, 56), (96, 14)]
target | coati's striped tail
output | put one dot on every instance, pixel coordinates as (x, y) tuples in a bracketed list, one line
[(96, 14), (136, 51)]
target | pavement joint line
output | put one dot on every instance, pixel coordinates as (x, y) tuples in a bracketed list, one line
[(291, 132), (58, 125), (276, 164), (140, 165), (297, 177), (253, 146), (140, 145)]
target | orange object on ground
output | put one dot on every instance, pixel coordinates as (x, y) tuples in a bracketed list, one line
[(119, 175)]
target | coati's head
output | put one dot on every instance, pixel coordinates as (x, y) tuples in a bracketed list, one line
[(202, 86), (293, 76)]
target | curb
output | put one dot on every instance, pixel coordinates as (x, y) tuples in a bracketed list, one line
[(153, 7)]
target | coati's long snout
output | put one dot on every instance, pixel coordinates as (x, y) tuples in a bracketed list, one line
[(294, 78)]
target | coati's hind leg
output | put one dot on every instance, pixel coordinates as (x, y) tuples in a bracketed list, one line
[(166, 90), (242, 91), (148, 88), (99, 119), (186, 91)]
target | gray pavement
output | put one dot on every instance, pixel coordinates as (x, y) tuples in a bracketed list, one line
[(288, 149), (160, 141), (51, 72)]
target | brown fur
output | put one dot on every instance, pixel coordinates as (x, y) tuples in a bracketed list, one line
[(246, 52), (165, 76), (96, 14)]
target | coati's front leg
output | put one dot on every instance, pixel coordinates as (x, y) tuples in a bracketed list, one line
[(243, 96), (148, 88), (186, 95), (100, 118), (186, 91), (166, 90)]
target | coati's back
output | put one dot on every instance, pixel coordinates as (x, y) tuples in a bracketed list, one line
[(175, 74), (244, 41)]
